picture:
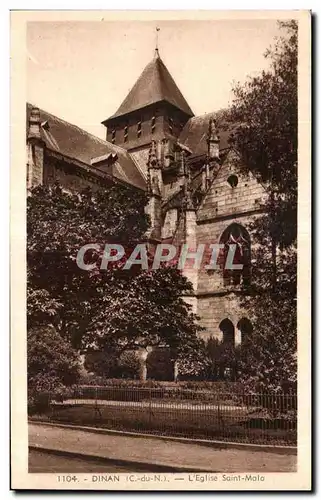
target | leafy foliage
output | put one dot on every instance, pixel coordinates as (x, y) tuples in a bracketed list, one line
[(268, 355), (103, 363), (220, 360), (267, 135), (266, 139), (109, 309), (214, 360), (160, 365), (42, 308), (52, 366)]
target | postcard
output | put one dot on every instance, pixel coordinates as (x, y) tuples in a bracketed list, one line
[(160, 250)]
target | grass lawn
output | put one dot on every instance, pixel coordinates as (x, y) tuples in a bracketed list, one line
[(202, 421)]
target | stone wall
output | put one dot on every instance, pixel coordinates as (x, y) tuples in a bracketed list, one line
[(35, 164), (222, 206), (224, 200), (210, 233), (213, 309), (69, 176)]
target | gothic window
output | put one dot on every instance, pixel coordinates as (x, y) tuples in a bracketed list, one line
[(153, 124), (236, 236), (113, 136), (170, 125), (245, 327), (227, 328), (126, 133)]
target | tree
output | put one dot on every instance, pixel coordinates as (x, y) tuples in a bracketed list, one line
[(112, 365), (109, 309), (265, 110), (42, 308), (268, 355), (53, 365), (101, 363), (128, 365), (221, 360), (160, 365)]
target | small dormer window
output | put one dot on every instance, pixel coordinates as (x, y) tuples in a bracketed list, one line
[(153, 124), (139, 128), (126, 133), (113, 136)]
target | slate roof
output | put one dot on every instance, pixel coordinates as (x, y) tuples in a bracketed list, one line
[(155, 84), (194, 134), (74, 142)]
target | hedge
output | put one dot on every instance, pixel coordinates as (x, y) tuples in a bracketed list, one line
[(217, 387)]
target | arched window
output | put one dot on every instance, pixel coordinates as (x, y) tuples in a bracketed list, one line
[(245, 327), (228, 331), (236, 236)]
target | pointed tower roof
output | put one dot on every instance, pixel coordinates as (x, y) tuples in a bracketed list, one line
[(155, 84)]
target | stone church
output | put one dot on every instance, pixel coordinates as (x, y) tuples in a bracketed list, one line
[(196, 191)]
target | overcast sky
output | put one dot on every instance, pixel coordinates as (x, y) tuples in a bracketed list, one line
[(81, 71)]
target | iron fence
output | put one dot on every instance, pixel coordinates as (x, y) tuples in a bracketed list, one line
[(252, 418)]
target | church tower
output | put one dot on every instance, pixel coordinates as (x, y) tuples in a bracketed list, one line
[(154, 110)]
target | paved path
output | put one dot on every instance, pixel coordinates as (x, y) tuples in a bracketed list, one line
[(158, 451), (41, 462)]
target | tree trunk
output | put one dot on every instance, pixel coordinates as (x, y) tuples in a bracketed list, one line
[(142, 354)]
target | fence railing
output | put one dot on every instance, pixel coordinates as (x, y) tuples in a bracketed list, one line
[(253, 418)]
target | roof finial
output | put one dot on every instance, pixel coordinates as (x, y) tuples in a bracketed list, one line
[(213, 140), (156, 42)]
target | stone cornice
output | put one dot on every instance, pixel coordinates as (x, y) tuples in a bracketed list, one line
[(230, 216)]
